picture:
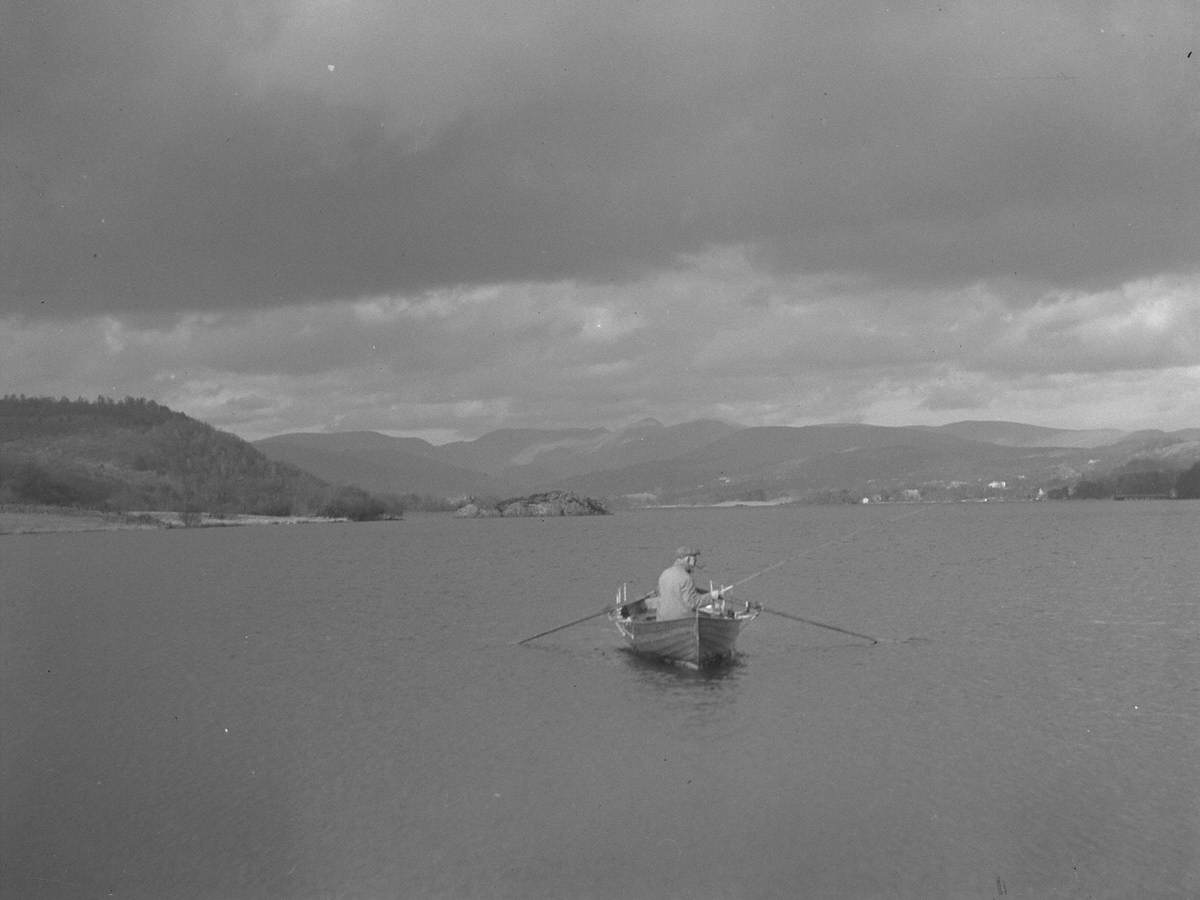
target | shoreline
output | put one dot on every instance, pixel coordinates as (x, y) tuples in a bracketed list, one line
[(62, 520)]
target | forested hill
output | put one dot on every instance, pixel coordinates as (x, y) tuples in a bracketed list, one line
[(135, 454)]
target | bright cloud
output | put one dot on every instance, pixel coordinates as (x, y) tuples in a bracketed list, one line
[(677, 345)]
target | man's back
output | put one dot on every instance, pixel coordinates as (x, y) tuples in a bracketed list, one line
[(676, 593)]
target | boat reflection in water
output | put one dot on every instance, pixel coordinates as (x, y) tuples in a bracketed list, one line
[(708, 637)]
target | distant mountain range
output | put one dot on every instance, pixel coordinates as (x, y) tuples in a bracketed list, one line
[(709, 461), (136, 454)]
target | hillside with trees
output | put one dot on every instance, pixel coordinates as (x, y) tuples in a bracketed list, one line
[(135, 454), (1140, 479), (1188, 485)]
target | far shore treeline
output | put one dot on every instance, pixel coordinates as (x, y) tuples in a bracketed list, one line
[(122, 456), (135, 454)]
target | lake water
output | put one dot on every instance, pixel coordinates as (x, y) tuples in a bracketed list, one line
[(327, 711)]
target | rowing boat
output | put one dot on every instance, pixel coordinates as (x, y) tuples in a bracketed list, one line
[(706, 637)]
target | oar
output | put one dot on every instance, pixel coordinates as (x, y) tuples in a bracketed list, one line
[(785, 615), (561, 627), (835, 540), (594, 615)]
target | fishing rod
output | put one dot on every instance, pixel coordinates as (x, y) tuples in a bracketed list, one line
[(831, 541), (821, 546)]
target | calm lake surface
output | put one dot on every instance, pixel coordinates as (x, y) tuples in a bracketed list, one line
[(341, 710)]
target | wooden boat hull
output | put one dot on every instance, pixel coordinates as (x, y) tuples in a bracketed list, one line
[(702, 639)]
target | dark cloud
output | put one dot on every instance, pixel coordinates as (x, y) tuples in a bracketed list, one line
[(183, 156)]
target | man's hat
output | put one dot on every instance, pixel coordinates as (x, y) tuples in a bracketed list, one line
[(687, 551)]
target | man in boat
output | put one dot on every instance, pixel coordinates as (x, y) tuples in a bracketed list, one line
[(678, 595)]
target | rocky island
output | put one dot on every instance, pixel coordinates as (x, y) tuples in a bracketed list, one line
[(551, 503)]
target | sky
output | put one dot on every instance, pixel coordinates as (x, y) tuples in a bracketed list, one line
[(442, 218)]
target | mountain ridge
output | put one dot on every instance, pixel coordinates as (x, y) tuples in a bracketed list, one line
[(135, 454), (381, 463), (712, 461), (1015, 434)]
